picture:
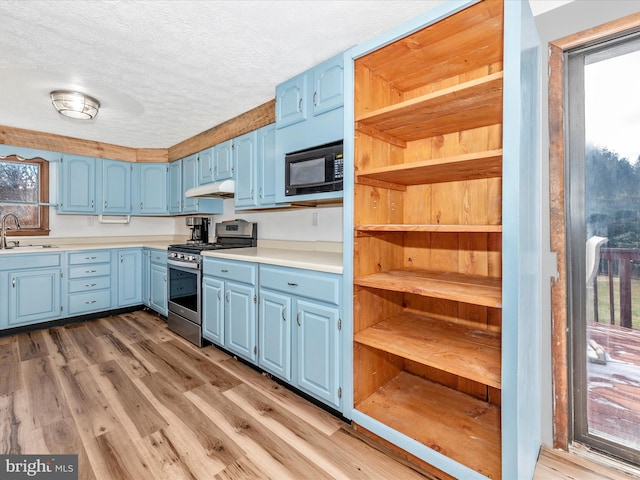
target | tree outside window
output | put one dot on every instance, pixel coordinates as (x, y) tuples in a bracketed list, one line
[(24, 190)]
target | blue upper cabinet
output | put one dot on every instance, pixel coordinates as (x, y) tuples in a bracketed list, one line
[(189, 180), (266, 174), (292, 101), (223, 161), (328, 85), (77, 184), (205, 167), (244, 159), (152, 189), (116, 187), (175, 187), (322, 89)]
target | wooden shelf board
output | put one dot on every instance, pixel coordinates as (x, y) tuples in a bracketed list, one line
[(472, 104), (449, 228), (473, 289), (470, 353), (450, 422), (469, 166)]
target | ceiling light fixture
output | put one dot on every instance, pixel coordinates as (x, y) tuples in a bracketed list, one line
[(74, 104)]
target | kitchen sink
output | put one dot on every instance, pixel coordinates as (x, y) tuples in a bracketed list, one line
[(31, 246)]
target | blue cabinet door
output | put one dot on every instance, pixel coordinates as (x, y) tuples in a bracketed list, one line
[(291, 101), (244, 160), (206, 166), (189, 180), (34, 296), (146, 277), (328, 85), (158, 288), (318, 368), (129, 277), (213, 310), (267, 165), (116, 187), (240, 320), (152, 191), (175, 187), (223, 160), (77, 184), (274, 332)]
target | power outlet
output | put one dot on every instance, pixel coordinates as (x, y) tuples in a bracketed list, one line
[(315, 219)]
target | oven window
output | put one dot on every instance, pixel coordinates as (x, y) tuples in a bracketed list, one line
[(183, 289), (307, 172)]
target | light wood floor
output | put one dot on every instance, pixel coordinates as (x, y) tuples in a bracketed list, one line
[(137, 402)]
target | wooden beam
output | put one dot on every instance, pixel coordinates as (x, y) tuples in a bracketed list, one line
[(57, 143), (246, 122)]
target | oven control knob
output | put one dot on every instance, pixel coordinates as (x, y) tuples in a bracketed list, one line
[(181, 255)]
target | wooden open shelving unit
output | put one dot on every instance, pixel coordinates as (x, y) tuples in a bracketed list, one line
[(428, 236)]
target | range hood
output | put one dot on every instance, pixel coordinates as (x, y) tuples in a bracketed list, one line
[(223, 189)]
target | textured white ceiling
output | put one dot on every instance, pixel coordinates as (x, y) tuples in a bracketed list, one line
[(165, 71)]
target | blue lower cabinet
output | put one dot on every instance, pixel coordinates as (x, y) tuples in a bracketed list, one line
[(300, 330), (158, 288), (93, 301), (34, 296), (89, 282), (318, 352), (129, 268), (274, 325), (229, 306), (213, 310), (240, 320)]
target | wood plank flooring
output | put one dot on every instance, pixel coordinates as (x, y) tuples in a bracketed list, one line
[(137, 402)]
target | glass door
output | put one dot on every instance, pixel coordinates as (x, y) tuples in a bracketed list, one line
[(603, 185)]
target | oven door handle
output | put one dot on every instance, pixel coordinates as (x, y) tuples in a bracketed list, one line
[(189, 265)]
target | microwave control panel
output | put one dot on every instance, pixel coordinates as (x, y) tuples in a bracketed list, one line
[(338, 167)]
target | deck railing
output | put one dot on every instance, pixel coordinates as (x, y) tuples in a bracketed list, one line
[(623, 259)]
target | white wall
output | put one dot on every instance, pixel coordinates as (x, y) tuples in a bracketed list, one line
[(571, 18), (299, 224)]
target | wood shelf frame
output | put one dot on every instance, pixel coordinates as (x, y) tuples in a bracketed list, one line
[(468, 105), (427, 228), (471, 166), (469, 432), (473, 289), (467, 352)]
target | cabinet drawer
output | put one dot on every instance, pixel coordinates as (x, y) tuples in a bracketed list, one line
[(89, 302), (243, 272), (305, 283), (90, 270), (159, 257), (34, 260), (90, 284), (89, 256)]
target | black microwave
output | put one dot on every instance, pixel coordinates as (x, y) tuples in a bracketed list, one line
[(314, 170)]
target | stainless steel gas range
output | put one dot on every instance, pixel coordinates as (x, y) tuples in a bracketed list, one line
[(184, 265)]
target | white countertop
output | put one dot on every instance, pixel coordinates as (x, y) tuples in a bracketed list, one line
[(318, 256), (318, 260)]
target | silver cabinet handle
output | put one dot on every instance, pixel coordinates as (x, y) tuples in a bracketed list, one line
[(90, 258), (300, 105), (89, 303), (219, 296), (284, 316), (121, 259), (91, 203), (224, 270), (298, 319), (292, 284), (227, 296), (105, 204), (260, 194), (252, 194), (90, 271), (90, 285), (140, 205), (13, 282), (315, 98)]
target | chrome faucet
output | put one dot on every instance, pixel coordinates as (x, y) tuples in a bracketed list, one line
[(3, 231)]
